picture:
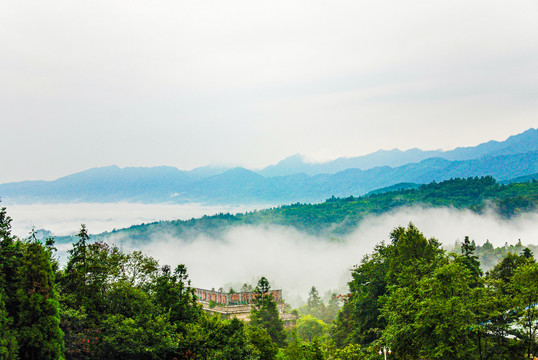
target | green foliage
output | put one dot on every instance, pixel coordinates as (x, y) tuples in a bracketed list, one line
[(173, 294), (427, 304), (317, 308), (359, 321), (213, 338), (348, 352), (140, 337), (128, 301), (264, 313), (8, 343), (5, 225), (11, 253), (38, 320), (314, 301), (407, 258), (261, 346), (469, 259), (309, 327), (432, 317), (525, 295), (296, 349), (489, 256)]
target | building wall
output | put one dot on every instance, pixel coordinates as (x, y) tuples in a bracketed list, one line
[(239, 298)]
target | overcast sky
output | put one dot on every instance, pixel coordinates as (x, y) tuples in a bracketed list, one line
[(189, 83)]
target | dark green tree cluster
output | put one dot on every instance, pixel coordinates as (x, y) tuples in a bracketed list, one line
[(413, 297), (29, 307), (124, 306), (107, 304)]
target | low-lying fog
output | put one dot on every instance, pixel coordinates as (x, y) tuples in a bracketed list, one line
[(65, 219), (291, 260)]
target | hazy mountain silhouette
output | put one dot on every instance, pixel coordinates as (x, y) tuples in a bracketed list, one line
[(513, 158), (521, 143)]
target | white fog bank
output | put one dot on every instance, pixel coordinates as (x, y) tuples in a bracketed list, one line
[(295, 262), (65, 219)]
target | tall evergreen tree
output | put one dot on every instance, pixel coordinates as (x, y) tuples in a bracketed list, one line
[(264, 313), (76, 271), (8, 343), (470, 259), (10, 256), (172, 293), (10, 253), (40, 336)]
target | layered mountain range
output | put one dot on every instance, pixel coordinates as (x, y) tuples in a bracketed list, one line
[(291, 180)]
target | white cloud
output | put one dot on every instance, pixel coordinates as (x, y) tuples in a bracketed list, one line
[(65, 219), (295, 262)]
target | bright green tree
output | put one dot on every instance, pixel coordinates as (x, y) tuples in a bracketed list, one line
[(142, 337), (308, 327), (525, 287), (408, 257), (260, 344), (173, 294), (434, 317)]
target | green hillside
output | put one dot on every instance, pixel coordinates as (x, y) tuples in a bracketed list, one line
[(338, 216)]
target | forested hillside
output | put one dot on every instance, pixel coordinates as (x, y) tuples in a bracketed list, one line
[(339, 216)]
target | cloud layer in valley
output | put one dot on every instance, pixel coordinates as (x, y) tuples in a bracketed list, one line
[(65, 219), (294, 261)]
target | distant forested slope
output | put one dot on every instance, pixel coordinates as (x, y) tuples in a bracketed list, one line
[(339, 216)]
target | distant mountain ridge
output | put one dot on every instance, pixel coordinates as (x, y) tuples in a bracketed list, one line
[(516, 144), (502, 160)]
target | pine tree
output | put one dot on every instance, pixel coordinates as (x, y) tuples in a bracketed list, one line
[(9, 259), (10, 255), (314, 300), (76, 270), (264, 313), (40, 336), (172, 293), (8, 343), (469, 259)]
